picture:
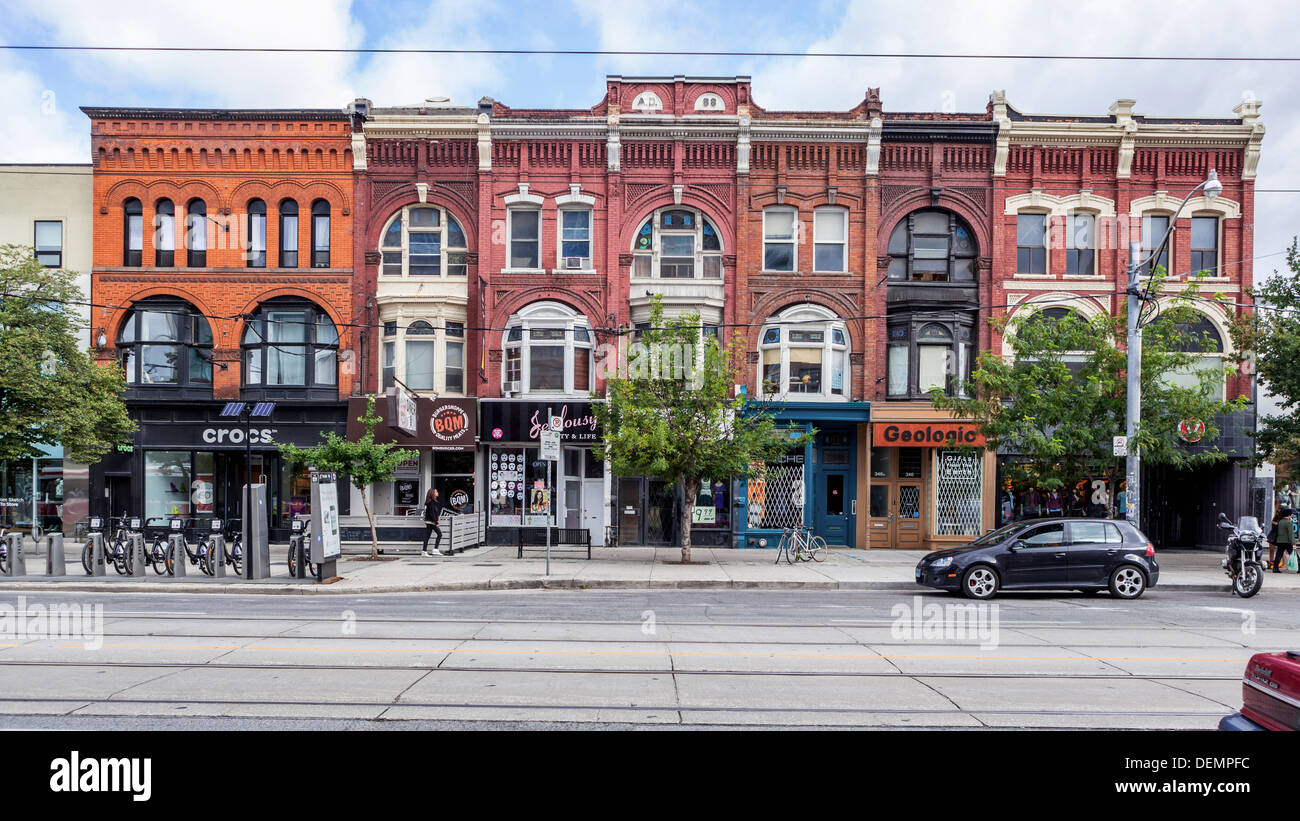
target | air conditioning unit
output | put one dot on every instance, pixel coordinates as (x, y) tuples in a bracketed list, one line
[(573, 262), (512, 387)]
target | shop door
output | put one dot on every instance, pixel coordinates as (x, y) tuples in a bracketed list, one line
[(661, 510), (880, 525), (896, 515), (833, 507), (119, 496), (593, 509), (630, 507), (573, 503)]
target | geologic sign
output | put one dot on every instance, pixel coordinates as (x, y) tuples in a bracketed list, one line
[(933, 434)]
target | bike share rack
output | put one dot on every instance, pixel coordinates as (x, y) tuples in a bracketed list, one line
[(176, 549), (136, 546), (298, 549), (96, 547), (55, 562), (17, 561)]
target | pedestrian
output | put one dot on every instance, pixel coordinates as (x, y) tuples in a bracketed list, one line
[(1283, 538), (433, 510)]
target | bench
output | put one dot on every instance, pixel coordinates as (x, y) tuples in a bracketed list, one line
[(561, 537)]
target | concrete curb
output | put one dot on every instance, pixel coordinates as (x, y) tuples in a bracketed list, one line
[(307, 589)]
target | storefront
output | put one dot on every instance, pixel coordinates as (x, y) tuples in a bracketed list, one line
[(33, 490), (443, 433), (923, 490), (515, 477), (189, 462), (815, 484)]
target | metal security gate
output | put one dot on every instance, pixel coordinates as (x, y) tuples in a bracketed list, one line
[(958, 505), (776, 499)]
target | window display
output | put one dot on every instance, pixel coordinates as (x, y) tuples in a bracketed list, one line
[(167, 484), (517, 488)]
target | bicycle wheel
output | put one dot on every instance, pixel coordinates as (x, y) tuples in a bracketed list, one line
[(817, 548), (4, 560), (88, 558), (159, 558), (235, 558), (207, 560), (293, 563), (170, 559), (119, 558)]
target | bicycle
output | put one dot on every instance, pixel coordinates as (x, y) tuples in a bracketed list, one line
[(4, 551), (234, 545), (201, 555), (115, 548), (156, 555), (800, 545), (293, 554)]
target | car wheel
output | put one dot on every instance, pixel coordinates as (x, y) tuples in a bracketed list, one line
[(980, 582), (1127, 582)]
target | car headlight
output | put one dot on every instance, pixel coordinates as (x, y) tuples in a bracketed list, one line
[(938, 563)]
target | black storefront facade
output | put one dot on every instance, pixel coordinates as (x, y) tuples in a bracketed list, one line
[(187, 461)]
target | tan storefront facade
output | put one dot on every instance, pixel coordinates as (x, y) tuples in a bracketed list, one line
[(921, 490)]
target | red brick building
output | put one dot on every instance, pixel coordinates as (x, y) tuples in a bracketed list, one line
[(222, 270)]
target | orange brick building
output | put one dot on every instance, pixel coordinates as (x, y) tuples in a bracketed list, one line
[(222, 270)]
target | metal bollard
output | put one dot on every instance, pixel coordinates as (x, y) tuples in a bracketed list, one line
[(17, 561), (217, 544), (55, 562), (97, 554), (136, 547), (180, 561)]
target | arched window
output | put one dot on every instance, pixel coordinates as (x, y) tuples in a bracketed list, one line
[(804, 354), (288, 234), (548, 350), (1202, 339), (255, 250), (422, 241), (677, 243), (290, 351), (196, 234), (133, 233), (164, 235), (165, 346), (926, 351), (320, 234), (932, 245)]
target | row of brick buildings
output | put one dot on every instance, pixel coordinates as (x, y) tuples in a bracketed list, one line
[(481, 257)]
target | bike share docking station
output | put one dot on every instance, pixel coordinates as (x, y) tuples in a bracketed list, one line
[(257, 545), (17, 564), (326, 545), (97, 546)]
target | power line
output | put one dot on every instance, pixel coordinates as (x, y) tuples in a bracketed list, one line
[(852, 55)]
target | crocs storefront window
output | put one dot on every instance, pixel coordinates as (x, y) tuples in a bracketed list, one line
[(290, 351), (165, 347)]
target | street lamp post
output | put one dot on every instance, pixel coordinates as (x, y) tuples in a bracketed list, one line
[(1133, 464)]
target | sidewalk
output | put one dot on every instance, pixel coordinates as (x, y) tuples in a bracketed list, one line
[(497, 568)]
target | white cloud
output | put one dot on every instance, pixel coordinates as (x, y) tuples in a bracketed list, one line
[(37, 125)]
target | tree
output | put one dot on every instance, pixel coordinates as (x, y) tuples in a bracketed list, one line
[(671, 414), (51, 390), (1060, 397), (1273, 333), (363, 461)]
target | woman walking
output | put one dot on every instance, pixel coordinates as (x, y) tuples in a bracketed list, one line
[(1284, 540), (433, 509)]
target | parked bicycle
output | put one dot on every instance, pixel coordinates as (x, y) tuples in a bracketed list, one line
[(800, 545), (116, 547), (234, 544), (305, 532), (202, 554), (4, 551)]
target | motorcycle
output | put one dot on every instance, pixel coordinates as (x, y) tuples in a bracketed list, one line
[(1243, 563)]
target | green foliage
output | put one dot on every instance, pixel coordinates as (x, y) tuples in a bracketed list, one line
[(683, 425), (364, 461), (1061, 396), (1273, 333), (51, 390)]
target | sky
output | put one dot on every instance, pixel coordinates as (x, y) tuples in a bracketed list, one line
[(40, 92)]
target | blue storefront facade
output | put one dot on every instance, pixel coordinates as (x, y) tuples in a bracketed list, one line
[(815, 484)]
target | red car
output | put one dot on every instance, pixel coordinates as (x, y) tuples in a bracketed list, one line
[(1270, 694)]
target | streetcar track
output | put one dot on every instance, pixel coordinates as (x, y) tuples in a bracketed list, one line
[(171, 665)]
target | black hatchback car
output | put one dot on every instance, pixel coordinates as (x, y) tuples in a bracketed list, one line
[(1047, 554)]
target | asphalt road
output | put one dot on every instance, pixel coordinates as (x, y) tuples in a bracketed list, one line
[(652, 659)]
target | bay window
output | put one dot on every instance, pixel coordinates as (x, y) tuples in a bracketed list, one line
[(548, 349), (677, 243), (927, 351), (290, 350), (932, 246), (804, 354), (165, 346)]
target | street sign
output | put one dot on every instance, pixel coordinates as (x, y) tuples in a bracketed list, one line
[(557, 423), (551, 445), (1121, 446)]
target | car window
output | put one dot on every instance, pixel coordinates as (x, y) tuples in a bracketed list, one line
[(1088, 532), (1112, 535), (1045, 536)]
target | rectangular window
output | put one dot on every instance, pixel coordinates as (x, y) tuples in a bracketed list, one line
[(678, 256), (455, 366), (1081, 245), (525, 243), (1153, 230), (320, 236), (958, 494), (425, 257), (575, 237), (805, 369), (898, 366), (581, 369), (49, 243), (288, 240), (1031, 252), (641, 265), (932, 367), (513, 364), (167, 491), (134, 240), (390, 364), (326, 366), (778, 240), (419, 364), (257, 240), (772, 371), (830, 238), (546, 368), (1205, 245)]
